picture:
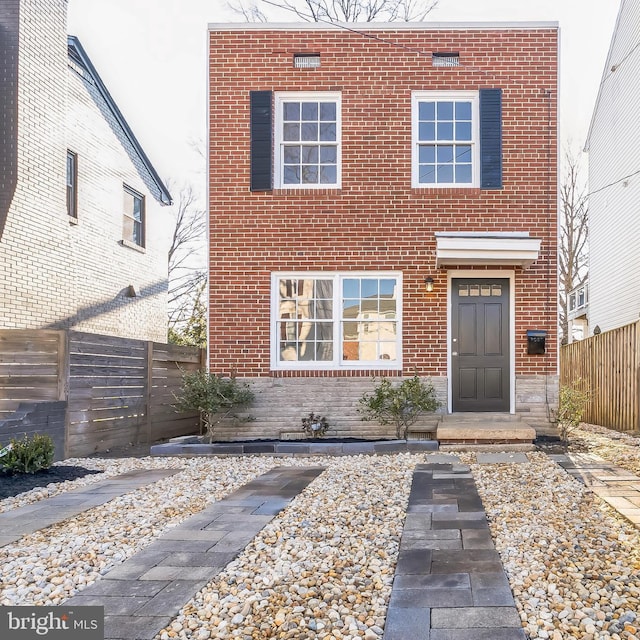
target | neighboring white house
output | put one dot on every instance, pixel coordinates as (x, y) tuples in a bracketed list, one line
[(613, 144), (83, 226)]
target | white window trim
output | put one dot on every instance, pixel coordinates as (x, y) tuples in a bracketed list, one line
[(336, 364), (474, 97), (278, 160)]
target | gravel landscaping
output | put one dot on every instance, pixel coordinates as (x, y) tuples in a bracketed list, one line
[(323, 567)]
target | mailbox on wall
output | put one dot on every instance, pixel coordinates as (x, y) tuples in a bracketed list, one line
[(536, 342)]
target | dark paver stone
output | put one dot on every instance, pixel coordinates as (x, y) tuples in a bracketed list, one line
[(407, 624), (413, 561), (433, 581), (475, 618)]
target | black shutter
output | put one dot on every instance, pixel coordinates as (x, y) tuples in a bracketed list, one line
[(261, 135), (491, 138)]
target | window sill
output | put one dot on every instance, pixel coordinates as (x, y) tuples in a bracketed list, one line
[(307, 191), (72, 219), (438, 191), (133, 245)]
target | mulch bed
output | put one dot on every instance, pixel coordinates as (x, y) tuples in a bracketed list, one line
[(12, 485)]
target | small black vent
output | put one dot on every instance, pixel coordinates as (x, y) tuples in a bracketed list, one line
[(445, 59)]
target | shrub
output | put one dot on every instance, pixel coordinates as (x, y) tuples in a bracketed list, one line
[(573, 399), (400, 405), (315, 426), (215, 396), (28, 455)]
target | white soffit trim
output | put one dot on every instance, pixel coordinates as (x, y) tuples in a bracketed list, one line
[(454, 249)]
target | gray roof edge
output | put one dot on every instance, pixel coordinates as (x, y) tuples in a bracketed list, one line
[(74, 43), (381, 26)]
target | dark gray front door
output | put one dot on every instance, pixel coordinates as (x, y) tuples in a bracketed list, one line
[(480, 344)]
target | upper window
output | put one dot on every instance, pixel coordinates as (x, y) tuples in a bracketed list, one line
[(307, 135), (336, 321), (445, 139), (133, 227), (72, 184)]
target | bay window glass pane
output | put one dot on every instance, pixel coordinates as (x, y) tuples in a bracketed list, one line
[(445, 153), (463, 174), (369, 288), (328, 175), (463, 153), (445, 110), (291, 175), (328, 131), (427, 153), (309, 174), (309, 110), (327, 111), (387, 287), (445, 131), (427, 174), (309, 131), (309, 153), (292, 154), (350, 288), (291, 132), (463, 111), (463, 131), (445, 173), (328, 155), (427, 131), (427, 110), (291, 110)]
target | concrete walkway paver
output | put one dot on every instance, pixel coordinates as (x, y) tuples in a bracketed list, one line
[(617, 487), (22, 521), (449, 582), (143, 594)]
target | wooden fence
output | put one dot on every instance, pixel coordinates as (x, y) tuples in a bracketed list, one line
[(609, 364), (118, 391)]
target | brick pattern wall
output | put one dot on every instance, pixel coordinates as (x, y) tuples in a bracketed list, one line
[(56, 274), (377, 221)]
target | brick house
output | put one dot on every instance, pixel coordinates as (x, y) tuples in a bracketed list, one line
[(383, 203), (83, 236)]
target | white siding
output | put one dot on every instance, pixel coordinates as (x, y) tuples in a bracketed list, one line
[(614, 152)]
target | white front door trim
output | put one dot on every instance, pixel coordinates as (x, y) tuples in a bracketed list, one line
[(490, 273)]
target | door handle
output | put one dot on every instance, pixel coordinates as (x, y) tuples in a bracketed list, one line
[(454, 353)]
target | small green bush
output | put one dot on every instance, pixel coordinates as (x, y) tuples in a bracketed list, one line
[(573, 400), (400, 405), (28, 455), (213, 395)]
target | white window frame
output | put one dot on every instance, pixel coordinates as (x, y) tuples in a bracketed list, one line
[(315, 96), (444, 96), (337, 363)]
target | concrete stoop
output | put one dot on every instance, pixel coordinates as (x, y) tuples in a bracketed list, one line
[(477, 431)]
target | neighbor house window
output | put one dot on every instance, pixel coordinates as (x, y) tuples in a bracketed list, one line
[(133, 230), (330, 321), (307, 140), (72, 184), (445, 139)]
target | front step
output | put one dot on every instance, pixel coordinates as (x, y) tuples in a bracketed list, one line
[(474, 430)]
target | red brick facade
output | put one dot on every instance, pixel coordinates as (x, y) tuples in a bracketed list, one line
[(377, 221)]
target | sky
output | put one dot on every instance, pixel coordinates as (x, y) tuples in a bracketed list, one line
[(152, 58)]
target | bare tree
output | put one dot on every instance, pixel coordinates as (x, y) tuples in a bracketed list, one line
[(574, 236), (339, 10), (187, 268)]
